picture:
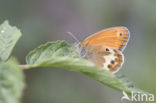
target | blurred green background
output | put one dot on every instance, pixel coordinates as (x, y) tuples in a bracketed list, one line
[(49, 20)]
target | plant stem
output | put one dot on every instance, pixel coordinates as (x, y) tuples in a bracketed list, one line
[(24, 66)]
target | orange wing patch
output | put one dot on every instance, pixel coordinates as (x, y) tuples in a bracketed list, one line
[(116, 38)]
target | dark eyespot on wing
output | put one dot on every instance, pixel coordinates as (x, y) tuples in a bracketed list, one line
[(125, 41), (109, 66), (112, 62), (107, 49), (114, 50)]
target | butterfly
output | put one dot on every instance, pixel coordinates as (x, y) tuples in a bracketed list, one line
[(105, 47)]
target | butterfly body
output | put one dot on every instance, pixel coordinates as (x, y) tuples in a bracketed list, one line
[(105, 48)]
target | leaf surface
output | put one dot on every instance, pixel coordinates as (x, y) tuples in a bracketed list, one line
[(9, 35), (11, 82)]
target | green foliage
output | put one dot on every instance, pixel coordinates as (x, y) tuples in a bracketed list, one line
[(8, 38), (11, 76), (52, 54), (11, 82), (51, 49)]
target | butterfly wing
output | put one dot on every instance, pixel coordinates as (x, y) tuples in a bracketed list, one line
[(116, 37), (105, 48), (110, 59), (114, 60)]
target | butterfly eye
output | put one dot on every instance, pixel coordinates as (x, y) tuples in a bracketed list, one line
[(107, 49), (120, 34)]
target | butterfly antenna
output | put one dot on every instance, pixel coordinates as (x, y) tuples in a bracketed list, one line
[(74, 37), (77, 44)]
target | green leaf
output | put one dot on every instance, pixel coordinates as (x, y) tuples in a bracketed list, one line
[(11, 82), (8, 38), (51, 49), (62, 55)]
